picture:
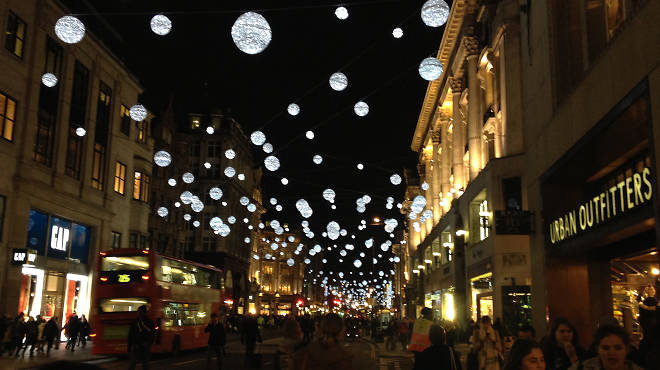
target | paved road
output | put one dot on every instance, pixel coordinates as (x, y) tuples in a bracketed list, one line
[(365, 354)]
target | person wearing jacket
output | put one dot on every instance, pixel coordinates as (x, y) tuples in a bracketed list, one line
[(31, 335), (85, 329), (561, 347), (18, 332), (419, 339), (51, 333), (292, 340), (41, 326), (487, 344), (72, 329), (611, 343), (326, 353), (439, 355), (217, 340), (525, 354), (140, 338), (250, 335)]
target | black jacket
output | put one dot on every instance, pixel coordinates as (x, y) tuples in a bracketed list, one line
[(217, 335), (437, 357), (51, 331), (72, 327), (250, 332), (141, 334)]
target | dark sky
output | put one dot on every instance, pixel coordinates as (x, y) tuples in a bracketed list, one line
[(309, 44)]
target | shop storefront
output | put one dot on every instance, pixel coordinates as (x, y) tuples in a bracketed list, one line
[(600, 222), (54, 279), (481, 289)]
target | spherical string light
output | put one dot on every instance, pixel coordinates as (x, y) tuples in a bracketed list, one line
[(338, 81), (293, 109), (341, 13), (70, 29), (161, 25), (272, 163), (361, 108), (435, 13), (162, 158), (138, 112), (397, 33), (251, 33), (258, 138), (430, 68), (80, 131), (49, 79), (309, 135), (162, 212)]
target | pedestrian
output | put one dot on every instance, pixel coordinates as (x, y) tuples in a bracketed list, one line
[(326, 353), (41, 326), (18, 332), (486, 342), (438, 355), (525, 354), (291, 341), (250, 335), (526, 332), (6, 334), (51, 333), (71, 330), (217, 341), (140, 338), (404, 333), (612, 343), (390, 332), (85, 329), (561, 347), (31, 335), (419, 340)]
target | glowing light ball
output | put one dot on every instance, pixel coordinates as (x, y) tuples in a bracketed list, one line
[(241, 176), (161, 25), (272, 163), (215, 193), (196, 223), (231, 219), (278, 208), (309, 135), (246, 240), (210, 130), (257, 138), (215, 223), (430, 68), (224, 230), (329, 195), (290, 262), (197, 206), (69, 29), (360, 166), (188, 177), (307, 261), (162, 158), (268, 148), (207, 165), (425, 186), (293, 109), (273, 201), (341, 13), (357, 263), (397, 33), (177, 204), (395, 179), (284, 181), (317, 159), (171, 182), (162, 212), (303, 207), (333, 230), (230, 171), (244, 201), (435, 13), (138, 112), (81, 131), (361, 108), (187, 217), (418, 204), (428, 214), (48, 79), (251, 33), (230, 154), (251, 207), (338, 81), (186, 197)]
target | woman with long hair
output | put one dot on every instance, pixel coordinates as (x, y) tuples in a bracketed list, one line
[(612, 344), (561, 347), (326, 353), (525, 354)]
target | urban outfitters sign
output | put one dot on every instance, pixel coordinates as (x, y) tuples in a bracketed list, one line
[(632, 192)]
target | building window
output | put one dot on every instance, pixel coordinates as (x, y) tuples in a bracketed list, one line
[(195, 122), (143, 242), (125, 115), (141, 186), (77, 119), (142, 132), (115, 240), (213, 149), (3, 202), (120, 178), (48, 102), (133, 240), (97, 166), (15, 40), (7, 116), (484, 223), (208, 244)]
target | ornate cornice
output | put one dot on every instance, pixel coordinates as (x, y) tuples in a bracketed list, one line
[(470, 45), (457, 85)]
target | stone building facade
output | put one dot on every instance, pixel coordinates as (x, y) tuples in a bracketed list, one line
[(65, 197)]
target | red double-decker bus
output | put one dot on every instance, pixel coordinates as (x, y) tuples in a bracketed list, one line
[(180, 296)]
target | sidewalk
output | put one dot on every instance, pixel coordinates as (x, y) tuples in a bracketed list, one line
[(27, 362)]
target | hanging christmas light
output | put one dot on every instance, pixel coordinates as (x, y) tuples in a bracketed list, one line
[(293, 109), (361, 108), (70, 29), (251, 33), (49, 79), (160, 25), (338, 81), (341, 13), (138, 112), (430, 69), (397, 33), (162, 158), (435, 13)]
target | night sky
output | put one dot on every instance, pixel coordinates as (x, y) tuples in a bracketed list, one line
[(199, 63)]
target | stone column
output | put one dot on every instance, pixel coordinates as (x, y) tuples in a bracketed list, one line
[(471, 46), (438, 163), (446, 157), (428, 193), (458, 132)]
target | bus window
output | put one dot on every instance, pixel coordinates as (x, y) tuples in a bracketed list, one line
[(128, 263), (183, 314), (187, 274), (130, 304)]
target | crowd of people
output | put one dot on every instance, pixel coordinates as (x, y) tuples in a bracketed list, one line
[(40, 336)]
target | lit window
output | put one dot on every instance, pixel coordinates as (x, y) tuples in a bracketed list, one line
[(142, 132), (484, 224), (120, 178), (15, 35), (7, 116), (195, 122), (141, 186), (124, 114)]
